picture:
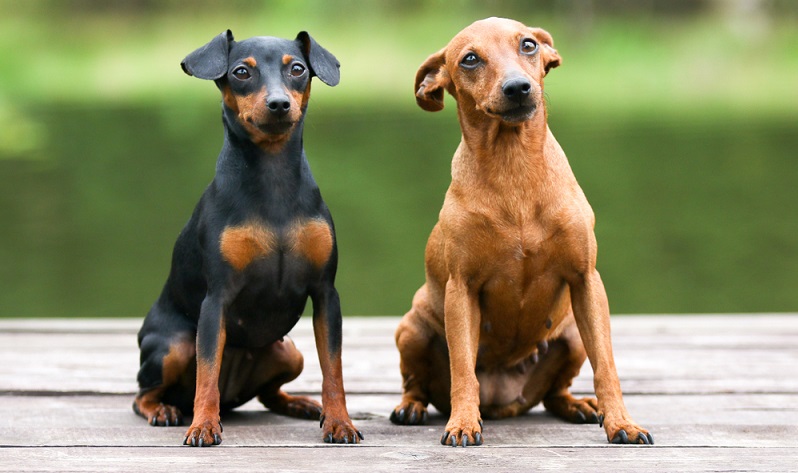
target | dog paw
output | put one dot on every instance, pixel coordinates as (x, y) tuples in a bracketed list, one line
[(204, 433), (293, 406), (303, 408), (462, 432), (159, 415), (339, 431), (571, 409), (409, 413), (628, 433)]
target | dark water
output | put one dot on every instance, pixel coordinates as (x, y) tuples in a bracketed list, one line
[(698, 216)]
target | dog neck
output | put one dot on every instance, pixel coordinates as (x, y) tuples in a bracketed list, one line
[(262, 168), (499, 153), (273, 145)]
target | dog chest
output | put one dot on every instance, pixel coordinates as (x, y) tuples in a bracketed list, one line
[(241, 245), (310, 240)]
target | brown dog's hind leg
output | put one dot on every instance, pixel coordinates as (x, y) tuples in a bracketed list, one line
[(558, 400), (423, 367), (555, 365), (282, 364)]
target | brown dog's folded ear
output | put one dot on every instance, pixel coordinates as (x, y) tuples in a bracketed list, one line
[(210, 61), (322, 63), (431, 80), (551, 58)]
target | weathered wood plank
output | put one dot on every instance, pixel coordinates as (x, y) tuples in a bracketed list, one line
[(654, 354), (762, 421), (681, 325), (717, 392), (355, 459), (109, 363)]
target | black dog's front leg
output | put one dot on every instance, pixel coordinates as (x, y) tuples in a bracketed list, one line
[(335, 422), (206, 429)]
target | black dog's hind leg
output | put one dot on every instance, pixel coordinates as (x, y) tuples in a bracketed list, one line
[(280, 364), (166, 356)]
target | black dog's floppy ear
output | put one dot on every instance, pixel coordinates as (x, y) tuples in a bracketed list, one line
[(209, 61), (322, 63)]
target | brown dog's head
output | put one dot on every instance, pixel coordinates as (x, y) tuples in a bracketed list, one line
[(494, 67)]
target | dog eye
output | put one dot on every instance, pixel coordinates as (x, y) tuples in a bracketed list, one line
[(297, 70), (528, 46), (470, 61), (241, 73)]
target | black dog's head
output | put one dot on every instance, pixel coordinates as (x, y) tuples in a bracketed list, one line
[(265, 81)]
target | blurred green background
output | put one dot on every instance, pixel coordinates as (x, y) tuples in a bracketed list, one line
[(680, 120)]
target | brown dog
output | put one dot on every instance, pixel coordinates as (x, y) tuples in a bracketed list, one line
[(511, 264)]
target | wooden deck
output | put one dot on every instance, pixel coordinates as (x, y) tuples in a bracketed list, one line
[(719, 393)]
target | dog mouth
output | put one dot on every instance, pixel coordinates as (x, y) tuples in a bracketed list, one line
[(517, 114), (275, 128)]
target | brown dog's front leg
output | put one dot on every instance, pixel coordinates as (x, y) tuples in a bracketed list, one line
[(462, 319), (206, 429), (592, 314), (335, 422)]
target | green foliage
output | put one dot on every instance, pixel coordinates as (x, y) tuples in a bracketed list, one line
[(99, 51), (681, 124)]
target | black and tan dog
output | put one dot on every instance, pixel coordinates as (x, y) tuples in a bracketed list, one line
[(512, 302), (259, 243)]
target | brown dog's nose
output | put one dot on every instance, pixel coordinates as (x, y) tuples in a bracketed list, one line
[(278, 105), (517, 88)]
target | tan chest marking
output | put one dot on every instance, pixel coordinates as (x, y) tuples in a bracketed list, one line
[(241, 245), (313, 240), (308, 239)]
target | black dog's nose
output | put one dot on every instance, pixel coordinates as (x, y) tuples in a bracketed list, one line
[(517, 88), (278, 105)]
